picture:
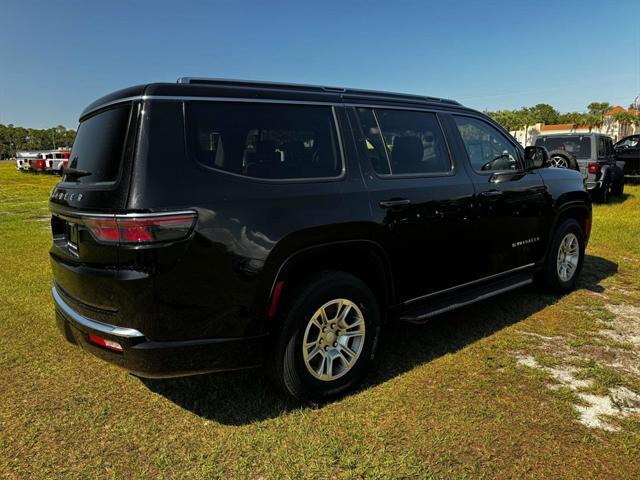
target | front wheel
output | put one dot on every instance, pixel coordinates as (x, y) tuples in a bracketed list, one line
[(327, 339), (566, 256)]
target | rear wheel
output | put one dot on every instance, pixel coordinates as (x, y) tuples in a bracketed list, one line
[(329, 331), (617, 189), (601, 194), (566, 256)]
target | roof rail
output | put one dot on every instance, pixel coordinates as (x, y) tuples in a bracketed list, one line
[(302, 87)]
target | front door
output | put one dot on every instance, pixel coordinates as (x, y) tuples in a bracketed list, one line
[(511, 203), (420, 201)]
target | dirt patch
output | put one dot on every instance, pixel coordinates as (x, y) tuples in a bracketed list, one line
[(615, 346), (594, 411), (625, 327)]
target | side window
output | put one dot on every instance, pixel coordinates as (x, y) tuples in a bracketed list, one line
[(265, 141), (373, 142), (602, 147), (488, 149), (609, 147), (402, 142)]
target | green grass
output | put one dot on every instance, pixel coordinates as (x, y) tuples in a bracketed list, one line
[(446, 400)]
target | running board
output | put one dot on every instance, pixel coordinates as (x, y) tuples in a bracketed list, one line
[(422, 313)]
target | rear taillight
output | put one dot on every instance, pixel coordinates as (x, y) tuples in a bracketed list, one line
[(594, 167), (140, 229)]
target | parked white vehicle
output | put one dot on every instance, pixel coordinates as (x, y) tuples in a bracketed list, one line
[(56, 161), (22, 159)]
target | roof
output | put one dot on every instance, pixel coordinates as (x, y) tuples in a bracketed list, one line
[(215, 87), (561, 126), (615, 110)]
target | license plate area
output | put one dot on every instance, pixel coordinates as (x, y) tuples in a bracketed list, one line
[(71, 237), (65, 235)]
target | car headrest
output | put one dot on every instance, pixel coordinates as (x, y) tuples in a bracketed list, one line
[(407, 151)]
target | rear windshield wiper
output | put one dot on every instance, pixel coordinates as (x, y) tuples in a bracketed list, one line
[(75, 172)]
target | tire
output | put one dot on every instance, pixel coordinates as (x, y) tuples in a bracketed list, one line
[(601, 194), (551, 278), (291, 369), (562, 159), (617, 189)]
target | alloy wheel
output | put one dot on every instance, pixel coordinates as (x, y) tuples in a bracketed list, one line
[(568, 257), (333, 339), (558, 162)]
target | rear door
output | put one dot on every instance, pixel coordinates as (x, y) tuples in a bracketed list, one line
[(511, 203), (419, 199)]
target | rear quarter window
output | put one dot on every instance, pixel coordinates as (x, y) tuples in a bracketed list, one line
[(99, 145), (265, 141)]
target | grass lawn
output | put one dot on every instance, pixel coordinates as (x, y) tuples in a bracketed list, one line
[(525, 385)]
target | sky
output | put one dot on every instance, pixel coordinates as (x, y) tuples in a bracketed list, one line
[(58, 56)]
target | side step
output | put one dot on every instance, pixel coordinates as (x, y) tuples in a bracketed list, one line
[(422, 313)]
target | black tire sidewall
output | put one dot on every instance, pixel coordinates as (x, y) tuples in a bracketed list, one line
[(553, 280), (298, 381), (604, 190), (618, 188)]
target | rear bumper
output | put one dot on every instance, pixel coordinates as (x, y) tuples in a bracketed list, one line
[(147, 358)]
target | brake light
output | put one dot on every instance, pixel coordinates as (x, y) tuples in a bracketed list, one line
[(141, 229), (103, 342), (594, 167)]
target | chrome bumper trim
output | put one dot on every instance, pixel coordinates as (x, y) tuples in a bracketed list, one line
[(123, 332)]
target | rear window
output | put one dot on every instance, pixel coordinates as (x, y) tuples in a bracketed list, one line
[(578, 146), (265, 141), (99, 145)]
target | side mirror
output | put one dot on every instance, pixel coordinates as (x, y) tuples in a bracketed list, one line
[(535, 157)]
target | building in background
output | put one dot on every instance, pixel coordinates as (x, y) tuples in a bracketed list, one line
[(610, 126)]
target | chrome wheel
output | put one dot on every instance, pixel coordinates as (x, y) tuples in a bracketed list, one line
[(568, 257), (333, 339), (558, 162)]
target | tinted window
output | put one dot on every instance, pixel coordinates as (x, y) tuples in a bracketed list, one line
[(373, 142), (265, 141), (405, 142), (99, 145), (488, 149), (579, 146), (630, 142)]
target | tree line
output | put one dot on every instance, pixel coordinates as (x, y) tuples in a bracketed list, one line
[(545, 113), (14, 139)]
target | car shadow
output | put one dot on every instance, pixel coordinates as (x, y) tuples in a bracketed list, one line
[(244, 397), (621, 199)]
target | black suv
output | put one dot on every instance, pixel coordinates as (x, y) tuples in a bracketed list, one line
[(210, 225), (628, 150)]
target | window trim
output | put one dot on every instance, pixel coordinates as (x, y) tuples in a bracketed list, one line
[(392, 176), (510, 139), (336, 126)]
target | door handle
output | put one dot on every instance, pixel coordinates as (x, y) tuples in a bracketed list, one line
[(491, 194), (394, 202)]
